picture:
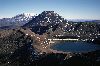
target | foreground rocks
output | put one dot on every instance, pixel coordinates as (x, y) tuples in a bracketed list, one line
[(54, 59), (17, 49)]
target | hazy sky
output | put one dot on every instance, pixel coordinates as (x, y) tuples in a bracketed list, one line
[(84, 9)]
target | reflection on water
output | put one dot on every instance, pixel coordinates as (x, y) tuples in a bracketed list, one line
[(76, 47)]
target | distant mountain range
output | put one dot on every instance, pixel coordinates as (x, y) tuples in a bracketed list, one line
[(18, 20), (22, 19), (83, 20)]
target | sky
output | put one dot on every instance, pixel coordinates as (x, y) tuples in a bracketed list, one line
[(69, 9)]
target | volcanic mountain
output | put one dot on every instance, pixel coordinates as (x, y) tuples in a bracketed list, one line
[(45, 21)]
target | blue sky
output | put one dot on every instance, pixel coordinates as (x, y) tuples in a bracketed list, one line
[(73, 9)]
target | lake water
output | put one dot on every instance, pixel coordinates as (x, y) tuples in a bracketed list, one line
[(76, 47)]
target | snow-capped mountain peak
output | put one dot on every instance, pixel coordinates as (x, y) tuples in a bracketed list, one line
[(29, 14), (18, 20)]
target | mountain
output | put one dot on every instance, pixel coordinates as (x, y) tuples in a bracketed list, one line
[(45, 18), (18, 20), (45, 21)]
